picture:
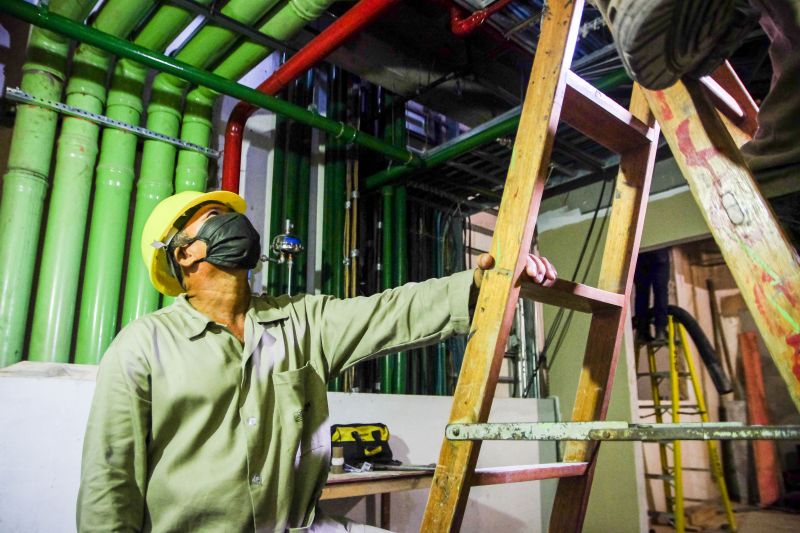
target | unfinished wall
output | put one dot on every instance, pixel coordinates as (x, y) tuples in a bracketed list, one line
[(47, 406)]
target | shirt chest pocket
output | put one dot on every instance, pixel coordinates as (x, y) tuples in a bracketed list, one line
[(302, 407)]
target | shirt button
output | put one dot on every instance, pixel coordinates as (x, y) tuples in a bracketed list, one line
[(251, 421), (256, 480)]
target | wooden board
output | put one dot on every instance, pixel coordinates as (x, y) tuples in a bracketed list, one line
[(763, 263), (764, 452), (494, 312), (357, 484)]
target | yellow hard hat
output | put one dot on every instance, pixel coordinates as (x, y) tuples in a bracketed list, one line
[(161, 227)]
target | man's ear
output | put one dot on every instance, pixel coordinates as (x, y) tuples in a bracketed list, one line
[(191, 254)]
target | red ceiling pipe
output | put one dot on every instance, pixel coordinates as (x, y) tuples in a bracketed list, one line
[(463, 26), (356, 19)]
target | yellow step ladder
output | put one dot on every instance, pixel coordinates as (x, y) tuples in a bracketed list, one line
[(672, 473)]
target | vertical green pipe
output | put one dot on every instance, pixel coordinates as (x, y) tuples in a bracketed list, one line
[(158, 158), (388, 364), (26, 179), (99, 303), (339, 193), (329, 253), (327, 259), (441, 367), (400, 273), (276, 207), (291, 176), (400, 267), (304, 185), (56, 295)]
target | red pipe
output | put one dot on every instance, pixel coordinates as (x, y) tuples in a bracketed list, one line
[(356, 19), (463, 26)]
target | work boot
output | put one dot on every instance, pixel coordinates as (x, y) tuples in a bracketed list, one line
[(660, 339), (643, 337), (661, 41)]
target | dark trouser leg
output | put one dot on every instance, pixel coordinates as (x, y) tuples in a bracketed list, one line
[(642, 281)]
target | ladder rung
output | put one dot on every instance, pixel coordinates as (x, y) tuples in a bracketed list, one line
[(600, 118), (518, 474), (506, 380), (662, 477), (571, 295)]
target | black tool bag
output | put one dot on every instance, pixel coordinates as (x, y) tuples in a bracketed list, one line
[(363, 443)]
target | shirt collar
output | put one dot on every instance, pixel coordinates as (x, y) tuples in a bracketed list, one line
[(195, 323)]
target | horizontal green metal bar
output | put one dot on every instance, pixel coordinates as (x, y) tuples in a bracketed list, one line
[(42, 17), (500, 126), (620, 431)]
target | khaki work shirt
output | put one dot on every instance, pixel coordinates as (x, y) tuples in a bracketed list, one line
[(191, 431)]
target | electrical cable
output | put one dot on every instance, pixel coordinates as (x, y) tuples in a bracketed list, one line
[(565, 328), (555, 326)]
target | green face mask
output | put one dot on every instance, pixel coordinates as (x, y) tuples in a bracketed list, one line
[(232, 241)]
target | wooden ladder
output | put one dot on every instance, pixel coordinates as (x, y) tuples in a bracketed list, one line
[(555, 93)]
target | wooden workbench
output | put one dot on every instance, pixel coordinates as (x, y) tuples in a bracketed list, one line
[(381, 482)]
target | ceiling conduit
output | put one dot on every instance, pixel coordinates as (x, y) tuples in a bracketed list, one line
[(352, 22), (282, 23), (43, 18)]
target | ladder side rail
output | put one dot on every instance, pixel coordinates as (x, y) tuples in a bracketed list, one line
[(606, 328), (714, 457), (511, 243), (763, 263)]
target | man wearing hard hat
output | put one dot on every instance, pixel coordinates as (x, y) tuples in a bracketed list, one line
[(211, 414)]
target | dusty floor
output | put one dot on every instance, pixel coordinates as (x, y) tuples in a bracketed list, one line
[(753, 521)]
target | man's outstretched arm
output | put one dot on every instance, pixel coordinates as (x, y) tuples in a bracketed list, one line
[(114, 466), (407, 317)]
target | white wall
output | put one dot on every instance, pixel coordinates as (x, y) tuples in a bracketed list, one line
[(44, 408)]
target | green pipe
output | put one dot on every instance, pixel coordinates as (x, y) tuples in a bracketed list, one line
[(339, 189), (504, 125), (327, 218), (304, 183), (276, 206), (158, 158), (59, 274), (400, 251), (329, 252), (441, 355), (400, 273), (99, 302), (26, 180), (41, 17), (389, 363), (291, 176)]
